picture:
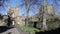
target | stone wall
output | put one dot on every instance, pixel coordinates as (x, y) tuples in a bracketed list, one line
[(20, 20), (3, 20)]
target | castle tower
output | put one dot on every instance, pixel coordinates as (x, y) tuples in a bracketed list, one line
[(50, 9), (13, 13)]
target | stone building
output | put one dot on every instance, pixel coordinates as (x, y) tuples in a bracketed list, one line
[(13, 13), (3, 20), (50, 9), (21, 20)]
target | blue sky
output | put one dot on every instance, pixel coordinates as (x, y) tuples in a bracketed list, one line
[(22, 10)]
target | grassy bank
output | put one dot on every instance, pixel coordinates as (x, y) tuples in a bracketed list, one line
[(28, 29)]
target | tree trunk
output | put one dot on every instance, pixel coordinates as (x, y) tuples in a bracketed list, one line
[(27, 11), (44, 16)]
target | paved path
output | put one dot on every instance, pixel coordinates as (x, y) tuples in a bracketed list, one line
[(11, 31), (14, 31)]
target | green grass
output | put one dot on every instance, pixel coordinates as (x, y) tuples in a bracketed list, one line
[(29, 29)]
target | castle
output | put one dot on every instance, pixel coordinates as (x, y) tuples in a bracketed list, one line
[(13, 13)]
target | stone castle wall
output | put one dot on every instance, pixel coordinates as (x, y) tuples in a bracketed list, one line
[(13, 13)]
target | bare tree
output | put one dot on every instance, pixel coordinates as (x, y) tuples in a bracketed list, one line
[(56, 2), (28, 8), (44, 16), (27, 11), (28, 4), (3, 4)]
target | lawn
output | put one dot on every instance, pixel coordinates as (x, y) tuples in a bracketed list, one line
[(28, 29)]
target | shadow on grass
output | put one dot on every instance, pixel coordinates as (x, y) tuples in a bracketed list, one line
[(4, 28), (55, 31)]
